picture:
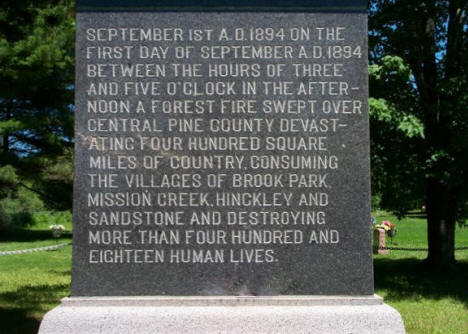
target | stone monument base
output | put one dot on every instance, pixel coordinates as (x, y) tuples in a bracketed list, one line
[(177, 315)]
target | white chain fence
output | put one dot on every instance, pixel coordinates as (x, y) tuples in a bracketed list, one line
[(38, 249)]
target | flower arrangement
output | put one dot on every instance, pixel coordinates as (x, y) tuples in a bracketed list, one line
[(388, 227), (57, 230)]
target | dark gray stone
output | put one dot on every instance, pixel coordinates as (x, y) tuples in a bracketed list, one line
[(229, 5), (327, 268)]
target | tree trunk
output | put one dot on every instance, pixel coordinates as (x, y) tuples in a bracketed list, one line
[(441, 219)]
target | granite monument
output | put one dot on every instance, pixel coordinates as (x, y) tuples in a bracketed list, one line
[(222, 170)]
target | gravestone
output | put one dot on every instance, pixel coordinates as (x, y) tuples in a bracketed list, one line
[(222, 170)]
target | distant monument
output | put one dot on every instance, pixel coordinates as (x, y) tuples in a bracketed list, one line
[(222, 170)]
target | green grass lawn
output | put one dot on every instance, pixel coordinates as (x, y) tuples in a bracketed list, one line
[(428, 302), (33, 283), (412, 231), (30, 285)]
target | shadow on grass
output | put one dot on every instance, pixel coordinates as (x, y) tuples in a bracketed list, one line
[(29, 235), (60, 272), (17, 321), (23, 303), (416, 214), (411, 279)]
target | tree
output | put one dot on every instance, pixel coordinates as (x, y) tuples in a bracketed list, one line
[(36, 93), (396, 135), (429, 38)]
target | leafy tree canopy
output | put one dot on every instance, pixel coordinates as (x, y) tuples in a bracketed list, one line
[(418, 83), (36, 92)]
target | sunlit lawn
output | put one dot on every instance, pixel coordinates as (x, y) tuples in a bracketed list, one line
[(33, 283), (30, 285), (429, 303)]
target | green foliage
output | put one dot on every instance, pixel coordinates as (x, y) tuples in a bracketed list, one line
[(419, 68), (396, 132), (17, 212), (393, 100), (383, 111), (8, 181), (56, 181), (17, 201), (36, 92), (418, 78), (43, 219), (376, 202)]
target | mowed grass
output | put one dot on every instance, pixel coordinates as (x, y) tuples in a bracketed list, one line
[(33, 283), (412, 230), (30, 285), (429, 302)]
